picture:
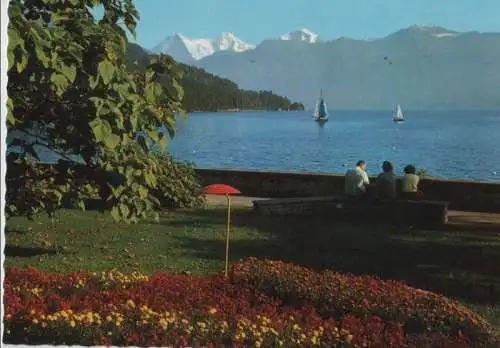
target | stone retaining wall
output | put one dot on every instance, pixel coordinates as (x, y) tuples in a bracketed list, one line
[(462, 195)]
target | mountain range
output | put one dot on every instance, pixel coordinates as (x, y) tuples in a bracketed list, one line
[(206, 92), (420, 67)]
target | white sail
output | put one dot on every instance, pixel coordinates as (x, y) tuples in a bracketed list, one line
[(398, 114), (320, 111)]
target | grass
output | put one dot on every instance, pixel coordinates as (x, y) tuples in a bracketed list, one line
[(462, 264)]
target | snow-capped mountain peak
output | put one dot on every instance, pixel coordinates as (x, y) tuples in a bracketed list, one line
[(229, 42), (300, 35), (184, 49)]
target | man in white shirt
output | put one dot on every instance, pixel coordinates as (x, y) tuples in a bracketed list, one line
[(356, 180)]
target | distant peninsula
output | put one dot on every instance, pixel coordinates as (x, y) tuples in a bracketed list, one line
[(206, 92)]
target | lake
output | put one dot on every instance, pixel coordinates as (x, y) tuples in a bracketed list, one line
[(448, 144)]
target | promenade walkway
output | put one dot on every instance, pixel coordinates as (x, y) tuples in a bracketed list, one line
[(456, 218)]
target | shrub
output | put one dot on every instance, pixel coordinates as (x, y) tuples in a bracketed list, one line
[(178, 184)]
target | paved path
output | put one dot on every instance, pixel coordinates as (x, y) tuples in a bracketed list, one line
[(236, 201), (455, 218)]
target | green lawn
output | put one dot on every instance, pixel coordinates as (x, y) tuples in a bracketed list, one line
[(461, 264)]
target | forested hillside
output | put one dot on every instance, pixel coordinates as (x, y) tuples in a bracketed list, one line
[(206, 92)]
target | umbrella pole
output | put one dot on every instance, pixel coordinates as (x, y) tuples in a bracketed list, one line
[(227, 232)]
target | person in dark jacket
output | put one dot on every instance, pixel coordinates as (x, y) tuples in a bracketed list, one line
[(386, 182)]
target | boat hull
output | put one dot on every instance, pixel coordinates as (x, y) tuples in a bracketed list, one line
[(321, 120), (398, 121)]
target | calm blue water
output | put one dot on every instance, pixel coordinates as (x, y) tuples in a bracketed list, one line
[(460, 145)]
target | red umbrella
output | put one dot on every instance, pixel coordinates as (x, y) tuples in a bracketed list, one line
[(228, 191), (220, 189)]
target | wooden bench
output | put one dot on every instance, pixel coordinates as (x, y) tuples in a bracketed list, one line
[(418, 212)]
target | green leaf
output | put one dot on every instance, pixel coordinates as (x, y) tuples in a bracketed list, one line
[(14, 39), (101, 129), (163, 143), (111, 141), (69, 71), (11, 58), (153, 90), (106, 70), (81, 204), (22, 64), (154, 136), (60, 83), (124, 210), (42, 57), (170, 124), (115, 214), (178, 89), (143, 192), (117, 192), (93, 81)]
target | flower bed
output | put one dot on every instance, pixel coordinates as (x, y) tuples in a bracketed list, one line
[(262, 305), (417, 313)]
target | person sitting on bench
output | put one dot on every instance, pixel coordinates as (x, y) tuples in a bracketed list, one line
[(386, 182), (356, 180), (409, 183)]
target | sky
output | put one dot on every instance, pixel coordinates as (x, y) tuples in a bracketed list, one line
[(256, 20)]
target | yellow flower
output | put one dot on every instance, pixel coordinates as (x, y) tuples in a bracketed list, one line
[(35, 321), (72, 323), (109, 333), (349, 338), (314, 340), (131, 303), (212, 311), (163, 324)]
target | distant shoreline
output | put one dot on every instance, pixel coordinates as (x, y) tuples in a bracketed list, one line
[(242, 110)]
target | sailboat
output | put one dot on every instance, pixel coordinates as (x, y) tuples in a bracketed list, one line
[(321, 112), (398, 114)]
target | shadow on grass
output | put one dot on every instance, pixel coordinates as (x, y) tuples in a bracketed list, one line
[(28, 251), (15, 231), (459, 263)]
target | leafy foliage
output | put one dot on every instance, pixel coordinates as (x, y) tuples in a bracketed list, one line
[(207, 92), (68, 80), (178, 185)]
